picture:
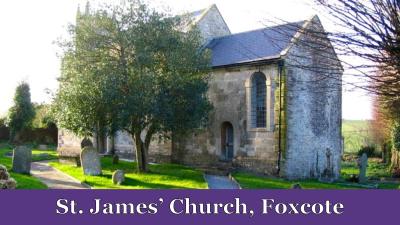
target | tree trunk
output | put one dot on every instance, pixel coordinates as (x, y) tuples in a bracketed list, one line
[(141, 156)]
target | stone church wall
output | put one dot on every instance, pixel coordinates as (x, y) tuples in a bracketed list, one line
[(212, 25), (313, 111), (254, 148)]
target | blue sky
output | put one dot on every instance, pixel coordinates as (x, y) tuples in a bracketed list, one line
[(29, 29)]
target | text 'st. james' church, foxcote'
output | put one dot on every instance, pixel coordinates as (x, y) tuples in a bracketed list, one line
[(277, 104)]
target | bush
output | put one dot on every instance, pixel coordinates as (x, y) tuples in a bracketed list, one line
[(369, 150)]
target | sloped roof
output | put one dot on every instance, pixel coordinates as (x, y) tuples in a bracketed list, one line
[(256, 45)]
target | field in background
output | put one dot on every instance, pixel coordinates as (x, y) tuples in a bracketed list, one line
[(356, 133)]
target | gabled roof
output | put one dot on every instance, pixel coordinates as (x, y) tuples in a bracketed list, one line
[(257, 45)]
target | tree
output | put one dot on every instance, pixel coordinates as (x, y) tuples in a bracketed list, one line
[(131, 68), (381, 127), (20, 115), (372, 33), (42, 117)]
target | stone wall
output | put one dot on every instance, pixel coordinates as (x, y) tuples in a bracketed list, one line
[(313, 107), (68, 142), (159, 150), (229, 92), (212, 25)]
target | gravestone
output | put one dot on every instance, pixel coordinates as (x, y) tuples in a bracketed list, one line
[(118, 177), (296, 186), (115, 159), (328, 174), (86, 143), (90, 161), (21, 161), (362, 165), (6, 182)]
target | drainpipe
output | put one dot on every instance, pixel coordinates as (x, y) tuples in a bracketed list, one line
[(280, 68)]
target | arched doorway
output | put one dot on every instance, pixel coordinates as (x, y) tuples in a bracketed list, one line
[(227, 141)]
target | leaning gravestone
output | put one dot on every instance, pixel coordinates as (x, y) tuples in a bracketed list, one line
[(21, 161), (90, 161), (118, 177), (362, 165)]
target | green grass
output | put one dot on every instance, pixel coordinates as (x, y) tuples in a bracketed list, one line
[(42, 155), (23, 181), (375, 171), (355, 133), (161, 176), (249, 181)]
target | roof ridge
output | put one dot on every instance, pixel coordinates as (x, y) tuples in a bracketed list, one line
[(263, 28)]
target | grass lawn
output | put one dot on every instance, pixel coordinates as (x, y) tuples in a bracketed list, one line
[(23, 181), (249, 181), (375, 171), (162, 176)]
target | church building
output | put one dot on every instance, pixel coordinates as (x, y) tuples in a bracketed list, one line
[(276, 95)]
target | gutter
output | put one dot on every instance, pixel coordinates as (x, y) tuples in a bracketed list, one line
[(265, 61)]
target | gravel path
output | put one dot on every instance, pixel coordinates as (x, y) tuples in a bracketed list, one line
[(220, 182), (54, 179)]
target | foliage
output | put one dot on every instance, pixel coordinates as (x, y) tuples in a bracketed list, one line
[(396, 136), (369, 150), (3, 121), (20, 115), (131, 68), (162, 176), (42, 117)]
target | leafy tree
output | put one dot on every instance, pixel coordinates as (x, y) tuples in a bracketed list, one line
[(42, 117), (131, 68), (20, 115)]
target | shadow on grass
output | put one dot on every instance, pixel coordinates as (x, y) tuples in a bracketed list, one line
[(131, 182)]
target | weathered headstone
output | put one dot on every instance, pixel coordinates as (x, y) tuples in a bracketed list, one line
[(21, 162), (362, 165), (118, 177), (296, 186), (115, 159), (327, 173), (86, 143), (90, 160), (6, 182)]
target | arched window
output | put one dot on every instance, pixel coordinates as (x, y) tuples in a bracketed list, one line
[(258, 100)]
